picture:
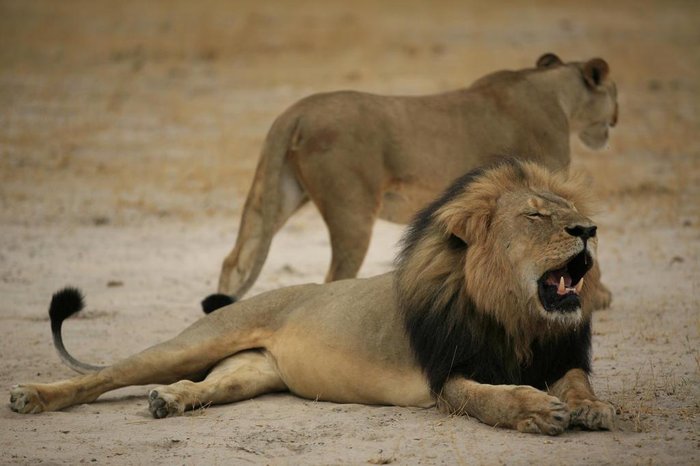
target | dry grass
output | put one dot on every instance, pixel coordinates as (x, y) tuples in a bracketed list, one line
[(653, 393)]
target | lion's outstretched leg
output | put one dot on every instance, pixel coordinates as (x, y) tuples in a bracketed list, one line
[(519, 407), (197, 348), (269, 205), (239, 377), (155, 365), (586, 409)]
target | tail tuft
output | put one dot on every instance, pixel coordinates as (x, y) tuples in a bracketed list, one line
[(64, 304), (214, 301)]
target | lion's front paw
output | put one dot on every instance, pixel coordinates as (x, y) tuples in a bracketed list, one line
[(539, 413), (162, 404), (592, 414), (25, 399)]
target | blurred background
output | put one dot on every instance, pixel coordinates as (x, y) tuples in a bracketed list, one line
[(129, 134), (116, 110)]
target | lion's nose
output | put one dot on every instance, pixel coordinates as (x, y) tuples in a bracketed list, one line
[(581, 231)]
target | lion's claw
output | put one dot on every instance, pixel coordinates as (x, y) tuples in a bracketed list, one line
[(25, 400), (540, 413), (593, 414), (163, 405)]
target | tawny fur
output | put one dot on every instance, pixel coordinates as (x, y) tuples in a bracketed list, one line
[(472, 258), (360, 157), (470, 216)]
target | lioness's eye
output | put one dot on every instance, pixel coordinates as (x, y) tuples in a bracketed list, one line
[(534, 215)]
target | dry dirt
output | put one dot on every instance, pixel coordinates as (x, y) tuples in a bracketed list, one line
[(129, 132)]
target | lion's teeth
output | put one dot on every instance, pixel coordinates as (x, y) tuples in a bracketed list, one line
[(562, 286), (579, 286)]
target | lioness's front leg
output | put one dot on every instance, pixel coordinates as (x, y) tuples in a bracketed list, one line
[(349, 204), (586, 409), (519, 407), (600, 297)]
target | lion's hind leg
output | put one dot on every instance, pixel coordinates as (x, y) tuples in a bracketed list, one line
[(239, 377), (194, 350), (519, 407)]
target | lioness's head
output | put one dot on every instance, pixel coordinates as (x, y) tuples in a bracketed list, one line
[(513, 240), (593, 101)]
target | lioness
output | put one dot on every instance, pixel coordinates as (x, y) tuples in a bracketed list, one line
[(360, 156), (483, 316)]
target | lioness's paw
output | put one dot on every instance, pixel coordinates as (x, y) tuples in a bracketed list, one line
[(601, 298), (539, 413), (162, 404), (594, 415), (24, 399)]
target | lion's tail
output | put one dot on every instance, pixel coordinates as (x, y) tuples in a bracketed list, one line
[(274, 196), (64, 304)]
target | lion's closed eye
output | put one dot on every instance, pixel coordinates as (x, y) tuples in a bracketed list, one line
[(535, 215)]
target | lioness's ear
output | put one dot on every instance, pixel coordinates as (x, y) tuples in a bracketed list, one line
[(595, 72), (547, 60)]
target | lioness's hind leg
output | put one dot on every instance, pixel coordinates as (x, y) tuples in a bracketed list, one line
[(238, 377), (268, 206)]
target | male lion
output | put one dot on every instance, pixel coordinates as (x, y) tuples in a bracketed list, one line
[(360, 156), (483, 316)]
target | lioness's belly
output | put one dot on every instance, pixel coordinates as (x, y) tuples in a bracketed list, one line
[(348, 346)]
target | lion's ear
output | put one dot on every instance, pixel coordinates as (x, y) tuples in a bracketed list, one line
[(547, 60), (469, 216), (471, 227), (478, 225), (459, 231), (595, 72)]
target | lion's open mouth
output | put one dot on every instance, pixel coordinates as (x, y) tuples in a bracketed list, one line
[(559, 288)]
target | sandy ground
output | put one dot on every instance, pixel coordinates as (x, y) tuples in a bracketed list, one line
[(129, 132)]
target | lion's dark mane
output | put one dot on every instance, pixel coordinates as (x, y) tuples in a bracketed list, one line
[(451, 337)]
